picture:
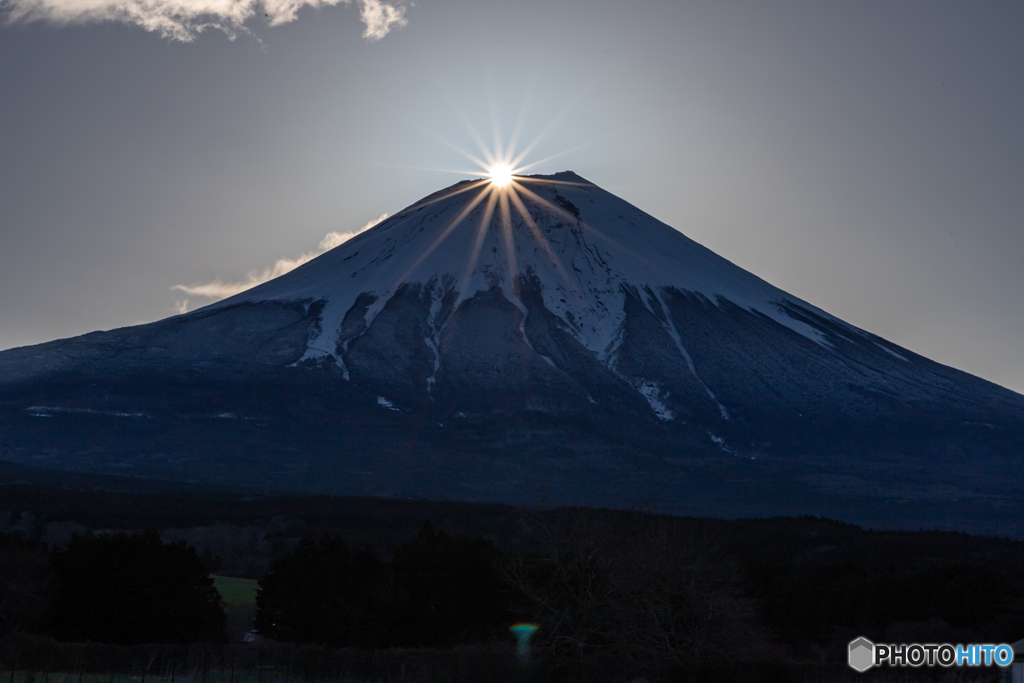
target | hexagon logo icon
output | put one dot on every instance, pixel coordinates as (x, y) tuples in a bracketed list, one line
[(861, 654)]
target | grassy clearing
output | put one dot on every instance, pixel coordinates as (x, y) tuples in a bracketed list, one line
[(236, 592)]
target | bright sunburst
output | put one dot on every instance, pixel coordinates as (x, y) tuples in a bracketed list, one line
[(503, 195), (500, 175)]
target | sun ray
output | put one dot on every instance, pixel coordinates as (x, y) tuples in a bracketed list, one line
[(589, 228), (499, 150), (459, 150), (524, 105), (533, 143), (441, 238), (510, 247), (478, 245), (474, 184), (470, 128), (549, 181), (477, 138), (553, 156), (544, 131), (445, 194), (543, 202), (539, 236), (462, 172), (554, 207), (484, 150), (517, 128), (505, 191)]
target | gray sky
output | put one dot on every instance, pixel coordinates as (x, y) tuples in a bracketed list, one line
[(865, 156)]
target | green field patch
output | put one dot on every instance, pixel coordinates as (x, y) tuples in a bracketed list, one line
[(236, 592)]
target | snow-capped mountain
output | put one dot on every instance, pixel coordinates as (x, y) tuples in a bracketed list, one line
[(569, 342), (579, 293)]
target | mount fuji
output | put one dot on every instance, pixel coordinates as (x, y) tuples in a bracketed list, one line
[(545, 341)]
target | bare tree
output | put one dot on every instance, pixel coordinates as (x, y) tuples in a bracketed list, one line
[(641, 586)]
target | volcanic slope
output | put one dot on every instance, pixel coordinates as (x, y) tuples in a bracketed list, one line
[(549, 339)]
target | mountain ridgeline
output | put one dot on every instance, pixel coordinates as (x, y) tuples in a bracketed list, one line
[(553, 343)]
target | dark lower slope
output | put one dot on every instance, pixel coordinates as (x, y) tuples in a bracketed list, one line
[(520, 458), (512, 408)]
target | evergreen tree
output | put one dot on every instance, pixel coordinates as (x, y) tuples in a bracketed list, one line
[(133, 589), (321, 593), (448, 590)]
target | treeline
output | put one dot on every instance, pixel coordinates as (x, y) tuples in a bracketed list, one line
[(643, 590), (124, 589), (436, 591), (634, 588), (133, 589), (51, 511), (623, 586)]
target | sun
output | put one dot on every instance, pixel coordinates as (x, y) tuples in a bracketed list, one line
[(504, 195), (500, 175)]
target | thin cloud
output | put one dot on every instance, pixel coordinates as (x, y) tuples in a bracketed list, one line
[(184, 20), (218, 289)]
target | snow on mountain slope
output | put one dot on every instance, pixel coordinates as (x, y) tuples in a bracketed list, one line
[(584, 246)]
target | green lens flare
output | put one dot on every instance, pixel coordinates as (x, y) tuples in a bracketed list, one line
[(523, 633)]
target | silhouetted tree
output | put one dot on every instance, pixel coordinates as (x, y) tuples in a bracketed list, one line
[(438, 590), (133, 589), (651, 589), (23, 583), (804, 603), (321, 593), (448, 590)]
